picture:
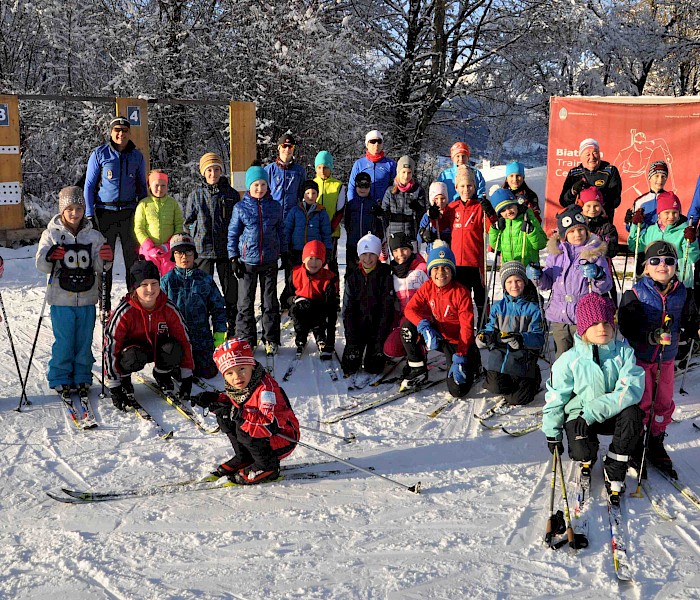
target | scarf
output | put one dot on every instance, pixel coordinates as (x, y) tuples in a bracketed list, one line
[(375, 158), (239, 396), (403, 188), (402, 270), (283, 165)]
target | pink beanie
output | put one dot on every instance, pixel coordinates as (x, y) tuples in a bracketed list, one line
[(667, 201), (437, 188), (592, 309)]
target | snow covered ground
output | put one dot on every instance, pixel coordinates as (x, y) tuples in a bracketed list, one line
[(475, 530)]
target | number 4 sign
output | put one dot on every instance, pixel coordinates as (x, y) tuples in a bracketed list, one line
[(133, 113), (4, 115)]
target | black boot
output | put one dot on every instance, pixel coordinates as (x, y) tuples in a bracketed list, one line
[(615, 470), (659, 457), (414, 375), (164, 380)]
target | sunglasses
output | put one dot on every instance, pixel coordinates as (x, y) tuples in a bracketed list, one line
[(287, 145), (184, 252), (655, 261), (375, 142), (120, 129)]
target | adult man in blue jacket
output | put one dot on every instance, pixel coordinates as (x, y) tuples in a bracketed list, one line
[(380, 168), (114, 183)]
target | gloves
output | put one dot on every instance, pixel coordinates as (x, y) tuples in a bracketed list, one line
[(238, 267), (514, 340), (428, 235), (591, 271), (659, 337), (487, 338), (580, 428), (205, 399), (499, 224), (119, 398), (159, 251), (432, 338), (55, 253), (488, 209), (284, 261), (457, 370), (555, 444), (533, 271), (628, 216), (219, 338), (581, 184), (297, 303), (433, 212), (527, 227), (186, 388), (106, 253), (416, 206), (638, 216), (377, 210), (690, 234)]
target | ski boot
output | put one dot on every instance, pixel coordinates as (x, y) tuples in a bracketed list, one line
[(64, 391), (84, 391), (164, 380), (252, 475), (228, 469), (324, 351), (659, 457), (271, 348), (300, 347), (415, 374), (615, 470)]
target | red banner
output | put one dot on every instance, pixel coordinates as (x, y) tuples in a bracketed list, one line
[(632, 134)]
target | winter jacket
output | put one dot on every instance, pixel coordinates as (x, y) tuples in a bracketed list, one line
[(516, 315), (409, 284), (131, 324), (449, 175), (285, 184), (382, 173), (648, 203), (307, 223), (526, 197), (596, 390), (403, 210), (157, 219), (256, 231), (606, 178), (368, 306), (643, 310), (76, 276), (198, 299), (694, 210), (207, 216), (359, 219), (510, 240), (606, 231), (448, 308), (563, 276), (321, 286), (331, 195), (114, 180), (466, 220), (426, 225), (673, 234)]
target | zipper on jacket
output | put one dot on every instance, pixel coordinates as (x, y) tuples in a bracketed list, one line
[(260, 216)]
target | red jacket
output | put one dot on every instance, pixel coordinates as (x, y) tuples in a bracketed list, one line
[(467, 222), (131, 324), (322, 285), (449, 309)]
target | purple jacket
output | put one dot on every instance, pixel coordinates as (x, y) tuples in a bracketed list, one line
[(562, 275)]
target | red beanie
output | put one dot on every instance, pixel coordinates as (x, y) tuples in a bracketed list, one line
[(590, 194), (314, 249), (667, 201), (233, 353)]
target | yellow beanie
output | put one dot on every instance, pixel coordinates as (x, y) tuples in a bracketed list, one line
[(208, 160)]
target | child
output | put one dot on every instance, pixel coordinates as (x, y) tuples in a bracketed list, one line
[(368, 309), (252, 411), (306, 222), (404, 203), (207, 217), (434, 224), (517, 234), (595, 390), (440, 316), (576, 264), (75, 253), (146, 327), (515, 182), (410, 272), (313, 305), (514, 336), (642, 319), (362, 215), (198, 299), (460, 153), (331, 195), (671, 227), (255, 238), (157, 217)]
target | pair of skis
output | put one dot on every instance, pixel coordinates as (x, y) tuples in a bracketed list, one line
[(498, 414), (81, 415), (331, 366)]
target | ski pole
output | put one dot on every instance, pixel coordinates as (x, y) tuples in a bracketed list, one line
[(636, 253), (685, 371), (624, 272), (411, 488), (23, 396), (573, 546), (103, 302), (685, 253), (552, 523), (482, 316), (12, 345), (347, 439)]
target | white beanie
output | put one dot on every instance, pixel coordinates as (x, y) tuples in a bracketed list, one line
[(587, 143), (375, 134), (437, 188), (369, 243)]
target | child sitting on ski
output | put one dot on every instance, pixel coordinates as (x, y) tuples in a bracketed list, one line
[(196, 296), (146, 328), (434, 224), (368, 309), (650, 317), (576, 265), (74, 253), (157, 218), (254, 412), (314, 300), (514, 336), (515, 182), (440, 316), (595, 389)]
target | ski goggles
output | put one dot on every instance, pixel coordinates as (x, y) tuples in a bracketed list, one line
[(655, 261)]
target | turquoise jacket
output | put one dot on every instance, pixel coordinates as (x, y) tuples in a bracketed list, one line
[(595, 391)]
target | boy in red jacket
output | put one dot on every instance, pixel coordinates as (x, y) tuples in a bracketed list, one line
[(440, 316), (252, 411)]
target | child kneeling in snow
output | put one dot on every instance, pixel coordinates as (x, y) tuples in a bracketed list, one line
[(595, 390), (514, 336), (254, 412)]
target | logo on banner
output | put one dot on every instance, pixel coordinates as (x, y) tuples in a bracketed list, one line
[(563, 113)]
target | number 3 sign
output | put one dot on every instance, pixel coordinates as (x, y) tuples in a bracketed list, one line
[(4, 116), (133, 113)]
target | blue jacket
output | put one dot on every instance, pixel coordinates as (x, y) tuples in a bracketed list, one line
[(694, 210), (302, 226), (382, 173), (286, 184), (448, 178), (359, 220), (114, 180), (597, 391), (256, 231), (207, 217)]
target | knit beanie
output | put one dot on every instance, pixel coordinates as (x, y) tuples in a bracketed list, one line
[(587, 143), (441, 255), (254, 174), (512, 267), (406, 162), (590, 194), (466, 174), (69, 196), (324, 158), (502, 199), (594, 308), (667, 201), (142, 270), (515, 167), (399, 240), (459, 148), (210, 159), (658, 166), (314, 249), (437, 188), (659, 248), (570, 217), (369, 243), (309, 184), (181, 242), (233, 353)]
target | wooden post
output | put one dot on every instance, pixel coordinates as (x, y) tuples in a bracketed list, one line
[(136, 112), (243, 141), (11, 206)]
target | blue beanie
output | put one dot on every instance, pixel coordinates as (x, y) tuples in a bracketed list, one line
[(515, 167), (254, 174), (441, 255), (324, 158), (502, 199)]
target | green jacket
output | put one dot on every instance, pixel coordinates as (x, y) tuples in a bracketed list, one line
[(157, 219), (510, 243)]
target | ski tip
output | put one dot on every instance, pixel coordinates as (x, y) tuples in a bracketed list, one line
[(168, 435), (350, 438), (415, 488)]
